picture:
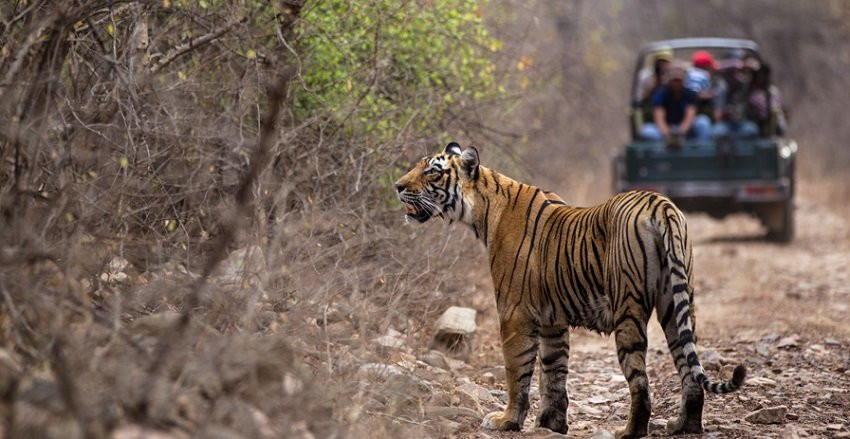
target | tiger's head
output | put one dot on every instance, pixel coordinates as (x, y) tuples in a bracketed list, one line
[(441, 185)]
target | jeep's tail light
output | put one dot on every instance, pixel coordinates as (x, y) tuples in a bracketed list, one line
[(760, 190)]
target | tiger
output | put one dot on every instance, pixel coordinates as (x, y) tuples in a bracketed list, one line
[(556, 267)]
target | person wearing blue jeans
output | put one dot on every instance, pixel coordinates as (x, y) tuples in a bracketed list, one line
[(731, 105), (744, 128), (674, 111)]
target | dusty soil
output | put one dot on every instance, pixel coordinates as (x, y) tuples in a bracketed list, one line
[(782, 310)]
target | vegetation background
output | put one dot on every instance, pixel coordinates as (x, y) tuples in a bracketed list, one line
[(198, 232)]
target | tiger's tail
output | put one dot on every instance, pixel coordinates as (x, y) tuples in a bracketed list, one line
[(677, 251)]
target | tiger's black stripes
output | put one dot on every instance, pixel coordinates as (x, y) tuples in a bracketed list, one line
[(606, 268)]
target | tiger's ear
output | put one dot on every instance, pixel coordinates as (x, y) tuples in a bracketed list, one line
[(469, 162), (452, 149)]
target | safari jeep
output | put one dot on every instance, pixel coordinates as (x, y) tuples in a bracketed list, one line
[(718, 176)]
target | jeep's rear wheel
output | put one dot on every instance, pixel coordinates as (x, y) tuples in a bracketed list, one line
[(778, 218)]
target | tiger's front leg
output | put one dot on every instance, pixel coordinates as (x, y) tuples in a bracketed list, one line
[(519, 347), (554, 356)]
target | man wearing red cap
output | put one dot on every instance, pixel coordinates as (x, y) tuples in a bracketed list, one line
[(699, 76), (710, 87), (703, 60)]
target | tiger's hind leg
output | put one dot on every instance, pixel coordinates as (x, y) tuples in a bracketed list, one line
[(630, 336), (689, 419), (554, 357)]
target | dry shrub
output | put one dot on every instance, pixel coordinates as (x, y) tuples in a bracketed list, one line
[(183, 248)]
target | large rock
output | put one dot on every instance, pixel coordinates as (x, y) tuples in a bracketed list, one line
[(770, 415), (454, 330)]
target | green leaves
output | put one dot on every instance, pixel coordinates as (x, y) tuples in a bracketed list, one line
[(381, 66)]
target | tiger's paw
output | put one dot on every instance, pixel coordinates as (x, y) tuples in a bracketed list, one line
[(555, 420), (678, 425), (499, 421), (626, 434)]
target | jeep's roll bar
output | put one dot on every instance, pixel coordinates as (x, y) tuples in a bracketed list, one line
[(681, 44)]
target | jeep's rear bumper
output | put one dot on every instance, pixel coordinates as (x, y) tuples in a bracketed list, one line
[(751, 191)]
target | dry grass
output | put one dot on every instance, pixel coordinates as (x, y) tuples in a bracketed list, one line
[(179, 255)]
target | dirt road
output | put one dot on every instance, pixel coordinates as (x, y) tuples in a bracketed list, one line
[(783, 310)]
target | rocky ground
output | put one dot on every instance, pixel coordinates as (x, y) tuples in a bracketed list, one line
[(782, 310)]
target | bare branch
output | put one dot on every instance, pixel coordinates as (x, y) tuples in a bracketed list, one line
[(21, 54), (192, 44), (259, 161)]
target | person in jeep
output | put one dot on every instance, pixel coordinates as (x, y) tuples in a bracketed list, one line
[(736, 69), (674, 111), (704, 79), (650, 80), (765, 103)]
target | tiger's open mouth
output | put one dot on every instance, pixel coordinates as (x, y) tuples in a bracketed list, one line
[(417, 213)]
